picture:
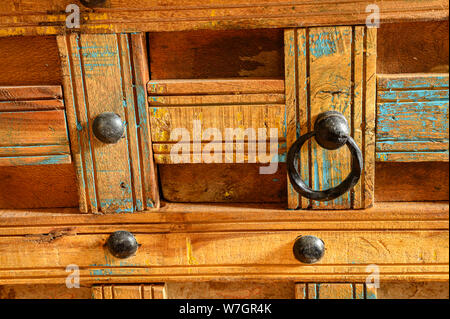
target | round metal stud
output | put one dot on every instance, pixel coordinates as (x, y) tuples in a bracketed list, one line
[(122, 244), (309, 249), (108, 127), (331, 129)]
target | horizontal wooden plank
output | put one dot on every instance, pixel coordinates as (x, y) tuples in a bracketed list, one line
[(35, 160), (412, 81), (38, 128), (31, 92), (48, 17), (36, 105), (215, 86), (214, 100), (412, 118), (228, 254), (34, 150)]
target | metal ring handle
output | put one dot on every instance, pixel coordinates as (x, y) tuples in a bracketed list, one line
[(331, 193)]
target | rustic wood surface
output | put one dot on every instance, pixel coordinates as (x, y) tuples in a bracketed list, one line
[(334, 291), (117, 16), (30, 186), (423, 47), (33, 128), (183, 243), (331, 68), (128, 292), (411, 181), (100, 77), (213, 54), (412, 117), (29, 61)]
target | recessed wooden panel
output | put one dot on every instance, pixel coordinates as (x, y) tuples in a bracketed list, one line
[(411, 181), (207, 54), (222, 183), (38, 186), (334, 291), (413, 47), (128, 292), (29, 61)]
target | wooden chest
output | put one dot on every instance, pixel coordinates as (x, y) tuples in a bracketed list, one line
[(184, 149)]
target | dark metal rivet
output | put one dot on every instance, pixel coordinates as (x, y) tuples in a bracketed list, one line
[(108, 127), (122, 244), (309, 249), (331, 129)]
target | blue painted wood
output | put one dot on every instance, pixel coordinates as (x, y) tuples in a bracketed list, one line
[(412, 118)]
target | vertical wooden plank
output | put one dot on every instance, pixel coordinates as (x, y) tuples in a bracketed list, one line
[(358, 97), (131, 120), (158, 292), (370, 116), (108, 292), (100, 76), (359, 291), (301, 291), (141, 78), (76, 110), (330, 88), (291, 108)]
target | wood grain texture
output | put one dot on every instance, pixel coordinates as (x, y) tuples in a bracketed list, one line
[(206, 54), (423, 47), (203, 256), (332, 68), (99, 76), (412, 118), (412, 181), (26, 187), (333, 291), (135, 16), (413, 290), (41, 292), (33, 129), (240, 183), (29, 60), (128, 292)]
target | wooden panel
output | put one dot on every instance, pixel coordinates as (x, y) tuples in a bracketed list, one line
[(99, 77), (331, 68), (209, 108), (412, 117), (222, 183), (30, 186), (220, 255), (333, 291), (133, 16), (44, 292), (230, 290), (28, 60), (413, 290), (128, 292), (33, 126), (203, 54), (422, 47), (414, 181)]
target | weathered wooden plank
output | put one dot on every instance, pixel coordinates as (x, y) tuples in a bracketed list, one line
[(100, 77), (48, 17), (36, 105), (215, 86), (412, 118), (28, 93), (141, 76), (198, 256), (33, 128), (214, 100), (35, 160), (333, 291)]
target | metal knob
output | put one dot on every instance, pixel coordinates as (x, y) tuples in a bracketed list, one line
[(122, 244), (92, 3), (309, 249), (331, 132), (108, 127)]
